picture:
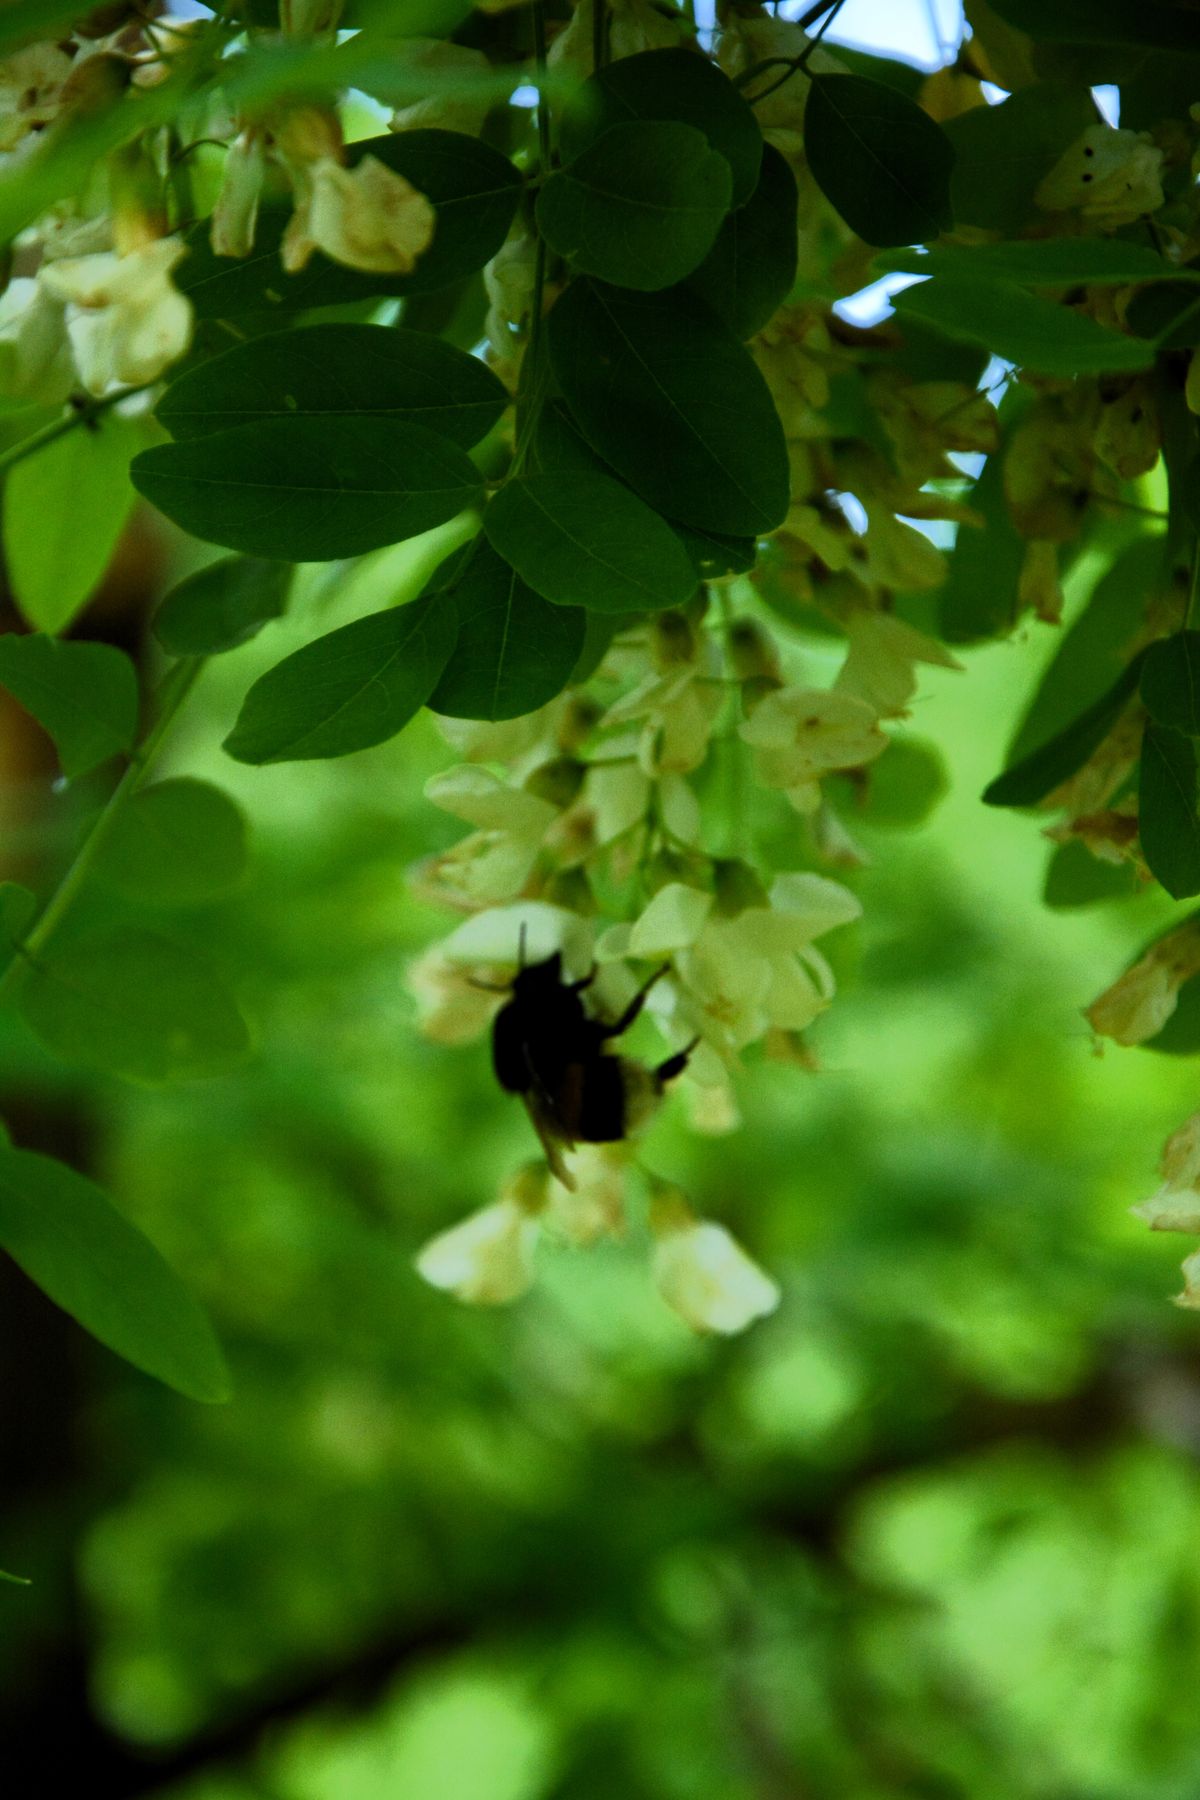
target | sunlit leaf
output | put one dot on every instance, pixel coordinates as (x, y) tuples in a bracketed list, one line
[(68, 1237), (85, 696)]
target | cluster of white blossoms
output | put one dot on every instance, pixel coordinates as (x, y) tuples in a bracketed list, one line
[(587, 838)]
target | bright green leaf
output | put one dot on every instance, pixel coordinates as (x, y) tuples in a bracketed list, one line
[(85, 696), (69, 1238), (132, 1003), (584, 540), (82, 477), (174, 843), (1023, 328), (1168, 827), (1170, 684), (338, 371), (222, 606), (515, 651), (640, 207), (882, 162), (309, 489), (667, 85), (749, 272), (670, 398), (352, 688)]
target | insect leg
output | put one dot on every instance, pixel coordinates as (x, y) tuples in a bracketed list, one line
[(634, 1008), (674, 1065)]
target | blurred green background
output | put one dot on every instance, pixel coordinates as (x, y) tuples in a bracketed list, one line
[(930, 1530)]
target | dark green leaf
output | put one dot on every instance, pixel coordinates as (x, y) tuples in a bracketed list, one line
[(1148, 25), (515, 651), (980, 595), (673, 85), (339, 371), (599, 631), (131, 1003), (750, 269), (1023, 328), (1167, 824), (1074, 877), (1003, 152), (69, 1238), (907, 78), (175, 843), (85, 696), (473, 189), (1169, 312), (1170, 682), (1180, 1036), (640, 207), (1039, 262), (1039, 773), (352, 688), (309, 489), (882, 162), (222, 606), (712, 555), (584, 540), (18, 908), (708, 451)]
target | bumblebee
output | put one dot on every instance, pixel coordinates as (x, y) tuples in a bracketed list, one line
[(547, 1048)]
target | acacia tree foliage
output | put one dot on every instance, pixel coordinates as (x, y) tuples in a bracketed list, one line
[(587, 352)]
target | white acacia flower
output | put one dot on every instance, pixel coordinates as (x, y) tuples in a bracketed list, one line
[(703, 1273), (488, 1258), (35, 352), (1109, 176), (880, 665), (451, 1008), (235, 214), (126, 319), (367, 217), (493, 863), (1176, 1205), (1190, 1296), (799, 734), (31, 90), (456, 77), (677, 703), (633, 25), (596, 1207)]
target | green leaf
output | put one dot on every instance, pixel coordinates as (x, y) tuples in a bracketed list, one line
[(1167, 823), (18, 909), (1023, 328), (1180, 1036), (669, 85), (174, 843), (85, 696), (352, 688), (1061, 756), (1003, 152), (882, 162), (82, 476), (473, 189), (1148, 25), (1168, 312), (132, 1003), (584, 540), (1095, 648), (1074, 877), (222, 606), (980, 596), (1039, 262), (710, 451), (712, 555), (1170, 684), (309, 489), (640, 207), (69, 1238), (515, 651), (338, 371), (750, 269)]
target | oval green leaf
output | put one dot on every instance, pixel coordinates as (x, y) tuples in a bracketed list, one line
[(174, 843), (72, 1242), (882, 162), (1023, 328), (84, 696), (338, 371), (1061, 756), (135, 1004), (673, 85), (352, 688), (667, 395), (515, 651), (1170, 684), (1003, 152), (222, 606), (309, 489), (1168, 827), (641, 207), (1040, 262), (582, 539), (750, 270)]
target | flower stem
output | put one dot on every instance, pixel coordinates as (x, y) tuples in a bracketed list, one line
[(85, 412), (170, 697)]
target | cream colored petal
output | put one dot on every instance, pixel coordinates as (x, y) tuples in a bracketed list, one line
[(487, 1260), (705, 1276), (673, 920), (1171, 1209)]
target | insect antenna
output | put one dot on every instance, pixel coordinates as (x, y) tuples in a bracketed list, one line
[(521, 948)]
